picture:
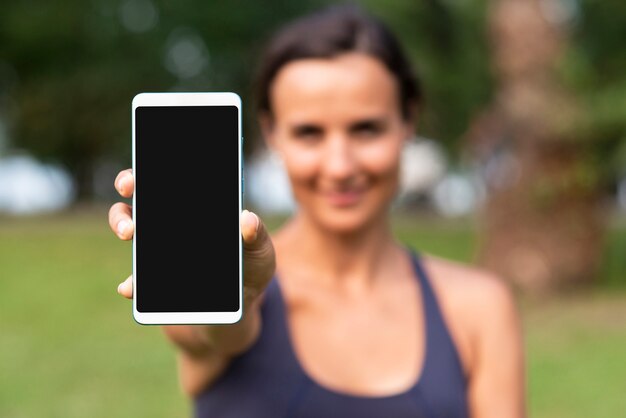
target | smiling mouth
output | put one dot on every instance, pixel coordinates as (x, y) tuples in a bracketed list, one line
[(344, 198)]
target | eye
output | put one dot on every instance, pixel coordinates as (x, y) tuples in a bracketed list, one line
[(307, 132), (368, 128)]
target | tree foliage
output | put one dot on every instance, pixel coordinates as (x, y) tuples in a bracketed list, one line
[(69, 68)]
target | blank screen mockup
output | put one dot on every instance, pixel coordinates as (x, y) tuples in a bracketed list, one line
[(187, 203)]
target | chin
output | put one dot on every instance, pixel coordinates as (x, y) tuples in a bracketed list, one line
[(346, 222)]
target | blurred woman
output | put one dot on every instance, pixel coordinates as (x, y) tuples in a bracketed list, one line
[(341, 318)]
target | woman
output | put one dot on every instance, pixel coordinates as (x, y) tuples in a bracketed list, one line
[(341, 319)]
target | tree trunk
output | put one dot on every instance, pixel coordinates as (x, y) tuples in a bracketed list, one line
[(541, 224)]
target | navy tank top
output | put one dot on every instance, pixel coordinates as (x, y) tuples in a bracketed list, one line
[(267, 381)]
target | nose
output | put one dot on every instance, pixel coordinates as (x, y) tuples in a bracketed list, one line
[(339, 158)]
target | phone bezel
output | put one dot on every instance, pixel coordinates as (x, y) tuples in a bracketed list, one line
[(187, 99)]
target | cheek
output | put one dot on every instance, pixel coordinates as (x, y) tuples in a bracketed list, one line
[(301, 165), (382, 161)]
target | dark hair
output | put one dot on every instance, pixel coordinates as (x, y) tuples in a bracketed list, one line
[(330, 32)]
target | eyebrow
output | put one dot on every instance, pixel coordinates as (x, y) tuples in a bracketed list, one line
[(306, 128), (359, 124), (368, 123)]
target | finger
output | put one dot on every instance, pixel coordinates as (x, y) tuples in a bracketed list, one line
[(120, 220), (259, 258), (125, 183), (250, 224), (126, 288)]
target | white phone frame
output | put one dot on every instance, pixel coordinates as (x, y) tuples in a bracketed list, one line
[(188, 99)]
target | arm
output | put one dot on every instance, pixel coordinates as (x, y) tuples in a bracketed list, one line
[(497, 381), (204, 351)]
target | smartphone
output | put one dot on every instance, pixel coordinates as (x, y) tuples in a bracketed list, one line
[(187, 248)]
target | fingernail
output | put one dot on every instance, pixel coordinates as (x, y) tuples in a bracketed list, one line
[(121, 227), (119, 287), (258, 222), (119, 184)]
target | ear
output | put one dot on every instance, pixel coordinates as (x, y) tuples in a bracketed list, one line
[(266, 123)]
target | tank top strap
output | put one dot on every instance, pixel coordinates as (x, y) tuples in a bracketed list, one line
[(442, 367), (273, 311), (431, 305)]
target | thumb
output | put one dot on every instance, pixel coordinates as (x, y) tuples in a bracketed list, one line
[(259, 260)]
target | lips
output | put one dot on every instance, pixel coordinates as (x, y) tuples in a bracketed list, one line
[(344, 198)]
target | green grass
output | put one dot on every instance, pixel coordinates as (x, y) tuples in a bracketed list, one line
[(576, 348), (70, 348)]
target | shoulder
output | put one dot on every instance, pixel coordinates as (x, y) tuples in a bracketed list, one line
[(479, 307), (476, 291)]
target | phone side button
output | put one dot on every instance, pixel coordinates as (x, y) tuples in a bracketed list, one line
[(243, 179)]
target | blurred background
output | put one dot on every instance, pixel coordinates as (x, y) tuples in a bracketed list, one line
[(518, 165)]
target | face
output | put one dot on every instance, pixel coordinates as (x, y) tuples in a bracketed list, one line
[(339, 129)]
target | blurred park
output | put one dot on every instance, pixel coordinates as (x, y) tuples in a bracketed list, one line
[(518, 165)]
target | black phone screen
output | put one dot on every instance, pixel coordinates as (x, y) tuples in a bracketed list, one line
[(187, 166)]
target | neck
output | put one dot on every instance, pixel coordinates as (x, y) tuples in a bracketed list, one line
[(353, 259)]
